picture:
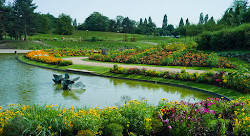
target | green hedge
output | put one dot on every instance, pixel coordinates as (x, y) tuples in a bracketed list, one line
[(227, 39)]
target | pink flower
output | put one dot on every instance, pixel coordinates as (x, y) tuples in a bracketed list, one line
[(169, 127), (218, 80)]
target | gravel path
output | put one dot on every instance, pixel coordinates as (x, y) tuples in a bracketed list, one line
[(80, 61)]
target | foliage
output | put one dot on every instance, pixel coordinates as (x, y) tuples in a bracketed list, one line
[(42, 56), (63, 25), (175, 54), (226, 39), (242, 56), (235, 80), (208, 117), (96, 22)]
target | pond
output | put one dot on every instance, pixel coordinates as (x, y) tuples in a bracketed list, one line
[(24, 84)]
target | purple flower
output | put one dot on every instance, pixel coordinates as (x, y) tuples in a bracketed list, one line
[(165, 121)]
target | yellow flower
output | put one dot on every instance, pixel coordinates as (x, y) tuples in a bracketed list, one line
[(164, 99), (72, 108), (49, 127), (1, 107)]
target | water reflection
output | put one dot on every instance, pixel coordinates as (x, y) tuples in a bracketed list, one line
[(152, 87), (69, 94)]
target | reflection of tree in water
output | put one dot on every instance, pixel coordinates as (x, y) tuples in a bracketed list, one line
[(169, 89), (68, 94), (136, 84)]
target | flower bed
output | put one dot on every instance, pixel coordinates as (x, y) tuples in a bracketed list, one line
[(235, 80), (209, 117), (45, 57), (175, 54)]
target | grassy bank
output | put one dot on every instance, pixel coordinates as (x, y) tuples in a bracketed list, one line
[(232, 94)]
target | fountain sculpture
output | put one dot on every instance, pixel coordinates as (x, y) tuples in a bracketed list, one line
[(66, 81)]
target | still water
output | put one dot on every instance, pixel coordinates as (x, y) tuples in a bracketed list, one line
[(24, 84)]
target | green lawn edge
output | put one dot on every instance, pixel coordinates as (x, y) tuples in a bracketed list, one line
[(230, 93)]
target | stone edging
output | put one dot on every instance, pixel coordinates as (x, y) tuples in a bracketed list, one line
[(95, 74)]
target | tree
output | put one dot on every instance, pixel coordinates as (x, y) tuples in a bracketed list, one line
[(192, 30), (112, 26), (75, 23), (206, 19), (119, 20), (24, 10), (145, 21), (128, 25), (187, 22), (201, 20), (246, 16), (1, 18), (52, 21), (165, 22), (63, 25), (97, 22), (210, 25), (181, 23), (141, 22), (170, 28), (151, 26), (42, 23)]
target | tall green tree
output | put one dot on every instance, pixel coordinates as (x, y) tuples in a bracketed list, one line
[(201, 19), (151, 27), (75, 23), (187, 22), (145, 21), (97, 22), (141, 22), (165, 22), (63, 25), (206, 19), (24, 10), (181, 23)]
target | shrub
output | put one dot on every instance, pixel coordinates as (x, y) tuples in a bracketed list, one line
[(113, 129), (226, 39)]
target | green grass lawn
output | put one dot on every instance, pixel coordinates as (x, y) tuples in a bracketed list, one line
[(97, 44), (26, 45)]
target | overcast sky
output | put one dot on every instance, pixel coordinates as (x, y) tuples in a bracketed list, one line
[(136, 9)]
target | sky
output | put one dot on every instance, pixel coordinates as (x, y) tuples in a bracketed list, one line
[(136, 9)]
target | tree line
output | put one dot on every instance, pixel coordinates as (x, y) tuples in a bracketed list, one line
[(19, 19)]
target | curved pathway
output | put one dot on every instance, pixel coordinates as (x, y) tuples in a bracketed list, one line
[(80, 61)]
